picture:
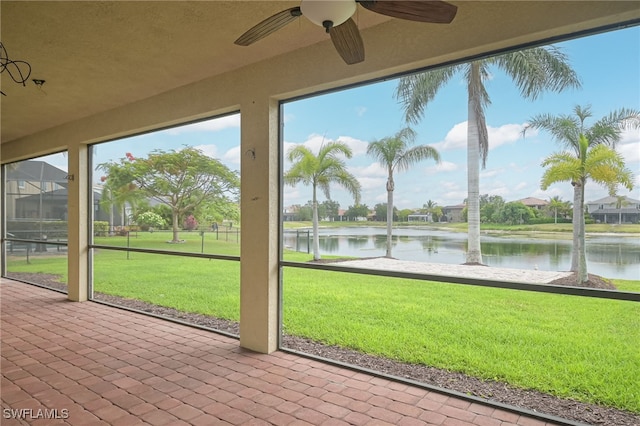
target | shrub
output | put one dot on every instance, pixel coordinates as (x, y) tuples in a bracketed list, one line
[(100, 228), (190, 223), (150, 219)]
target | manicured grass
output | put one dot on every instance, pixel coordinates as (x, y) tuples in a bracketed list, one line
[(209, 287), (627, 285), (223, 243), (39, 264), (573, 347)]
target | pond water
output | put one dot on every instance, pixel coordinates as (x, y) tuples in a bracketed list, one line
[(608, 256)]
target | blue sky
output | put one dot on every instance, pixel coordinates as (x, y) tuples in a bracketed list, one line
[(607, 64)]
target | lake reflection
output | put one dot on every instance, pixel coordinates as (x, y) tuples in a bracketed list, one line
[(608, 256)]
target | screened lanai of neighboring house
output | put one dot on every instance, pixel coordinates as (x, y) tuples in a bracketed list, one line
[(103, 71)]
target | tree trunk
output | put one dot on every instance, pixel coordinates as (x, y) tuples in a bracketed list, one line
[(583, 275), (474, 254), (174, 215), (316, 237), (390, 187), (577, 218)]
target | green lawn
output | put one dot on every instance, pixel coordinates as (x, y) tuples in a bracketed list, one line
[(573, 347)]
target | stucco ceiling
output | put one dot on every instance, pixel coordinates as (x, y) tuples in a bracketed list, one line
[(96, 56)]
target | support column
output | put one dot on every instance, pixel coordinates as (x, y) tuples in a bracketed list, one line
[(259, 206), (78, 217)]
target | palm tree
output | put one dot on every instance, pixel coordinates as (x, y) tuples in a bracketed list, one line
[(555, 205), (621, 201), (396, 154), (597, 162), (533, 71), (320, 171), (568, 130)]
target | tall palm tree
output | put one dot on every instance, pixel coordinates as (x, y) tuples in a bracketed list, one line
[(320, 171), (395, 153), (533, 71), (568, 130), (597, 162)]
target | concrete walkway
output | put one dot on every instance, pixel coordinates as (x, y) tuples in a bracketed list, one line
[(463, 271)]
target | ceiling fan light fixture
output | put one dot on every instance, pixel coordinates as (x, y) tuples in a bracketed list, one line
[(334, 11)]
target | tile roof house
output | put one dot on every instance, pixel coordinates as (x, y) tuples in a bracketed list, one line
[(614, 210)]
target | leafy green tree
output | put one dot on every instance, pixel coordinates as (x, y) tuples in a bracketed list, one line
[(320, 171), (514, 213), (218, 211), (572, 132), (599, 163), (403, 215), (490, 208), (180, 179), (397, 154), (533, 71), (117, 194), (381, 212), (305, 213), (356, 211), (331, 208)]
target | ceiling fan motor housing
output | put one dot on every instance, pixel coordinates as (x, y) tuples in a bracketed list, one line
[(328, 13)]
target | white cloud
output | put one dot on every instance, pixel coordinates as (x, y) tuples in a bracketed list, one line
[(629, 146), (372, 170), (455, 197), (522, 185), (232, 156), (213, 125), (444, 166), (490, 173), (315, 141), (449, 185), (496, 188), (360, 111), (507, 133), (456, 138), (369, 183), (208, 150), (357, 146)]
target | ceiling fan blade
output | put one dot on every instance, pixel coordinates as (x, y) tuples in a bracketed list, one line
[(433, 11), (268, 26), (347, 41)]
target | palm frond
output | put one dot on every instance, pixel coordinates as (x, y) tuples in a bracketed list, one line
[(539, 69), (414, 92)]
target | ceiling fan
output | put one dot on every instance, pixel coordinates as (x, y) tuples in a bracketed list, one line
[(335, 17)]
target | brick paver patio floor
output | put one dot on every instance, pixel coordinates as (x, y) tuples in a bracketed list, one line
[(90, 364)]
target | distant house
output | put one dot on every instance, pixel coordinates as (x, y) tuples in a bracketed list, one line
[(453, 213), (420, 217), (342, 215), (606, 210), (289, 213), (32, 191), (37, 190), (534, 203)]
